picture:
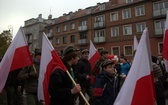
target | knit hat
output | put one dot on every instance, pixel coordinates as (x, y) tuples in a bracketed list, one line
[(157, 72), (69, 49)]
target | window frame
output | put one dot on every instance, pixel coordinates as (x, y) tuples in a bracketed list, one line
[(114, 17), (116, 32), (124, 29), (125, 51), (113, 51), (138, 8), (141, 30), (127, 13)]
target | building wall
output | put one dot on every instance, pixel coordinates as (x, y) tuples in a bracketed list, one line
[(121, 40)]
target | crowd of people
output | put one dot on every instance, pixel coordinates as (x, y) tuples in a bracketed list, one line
[(109, 73)]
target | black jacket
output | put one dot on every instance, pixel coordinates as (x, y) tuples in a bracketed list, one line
[(81, 71), (60, 87), (105, 89)]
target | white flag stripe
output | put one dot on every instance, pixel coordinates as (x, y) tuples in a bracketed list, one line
[(141, 67), (135, 43), (46, 57), (92, 50)]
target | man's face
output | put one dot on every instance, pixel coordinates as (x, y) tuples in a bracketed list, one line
[(85, 55), (75, 60)]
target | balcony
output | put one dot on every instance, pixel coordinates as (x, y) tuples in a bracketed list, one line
[(83, 41), (82, 28), (161, 12), (159, 32), (99, 39), (100, 24)]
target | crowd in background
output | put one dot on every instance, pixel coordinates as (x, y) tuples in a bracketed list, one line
[(102, 84)]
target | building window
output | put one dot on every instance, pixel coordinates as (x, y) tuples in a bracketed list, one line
[(126, 13), (140, 10), (160, 5), (72, 38), (88, 11), (115, 50), (64, 39), (65, 28), (114, 31), (114, 16), (73, 26), (83, 23), (160, 24), (102, 7), (140, 27), (49, 34), (160, 47), (57, 29), (83, 36), (99, 18), (127, 30), (128, 51), (100, 33), (57, 40), (129, 1)]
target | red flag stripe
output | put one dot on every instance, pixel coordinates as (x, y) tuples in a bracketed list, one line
[(21, 58)]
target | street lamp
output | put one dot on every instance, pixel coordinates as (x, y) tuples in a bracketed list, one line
[(10, 27)]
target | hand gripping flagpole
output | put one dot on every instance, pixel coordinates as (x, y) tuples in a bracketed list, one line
[(75, 84)]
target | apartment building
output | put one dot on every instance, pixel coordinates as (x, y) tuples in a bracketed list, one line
[(111, 25), (34, 29)]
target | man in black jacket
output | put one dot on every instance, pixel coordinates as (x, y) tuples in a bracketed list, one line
[(82, 73), (61, 88)]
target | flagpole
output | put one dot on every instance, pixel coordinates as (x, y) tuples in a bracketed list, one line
[(75, 84), (34, 69)]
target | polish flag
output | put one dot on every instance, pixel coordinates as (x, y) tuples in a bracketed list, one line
[(16, 56), (49, 62), (135, 43), (138, 87), (94, 55), (165, 44)]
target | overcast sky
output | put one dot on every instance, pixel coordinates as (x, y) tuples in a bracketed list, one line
[(15, 12)]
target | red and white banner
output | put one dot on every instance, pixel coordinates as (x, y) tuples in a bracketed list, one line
[(49, 62), (94, 55), (138, 87), (165, 44), (16, 56), (135, 43)]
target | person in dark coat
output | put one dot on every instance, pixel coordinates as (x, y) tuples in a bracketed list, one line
[(160, 89), (61, 89), (105, 88), (83, 69), (30, 77)]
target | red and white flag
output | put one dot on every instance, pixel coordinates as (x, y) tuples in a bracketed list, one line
[(49, 62), (135, 43), (16, 56), (94, 55), (138, 87), (165, 44)]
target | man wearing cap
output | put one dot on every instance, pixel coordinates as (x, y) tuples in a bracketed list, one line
[(82, 73), (61, 89), (30, 77), (105, 88)]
